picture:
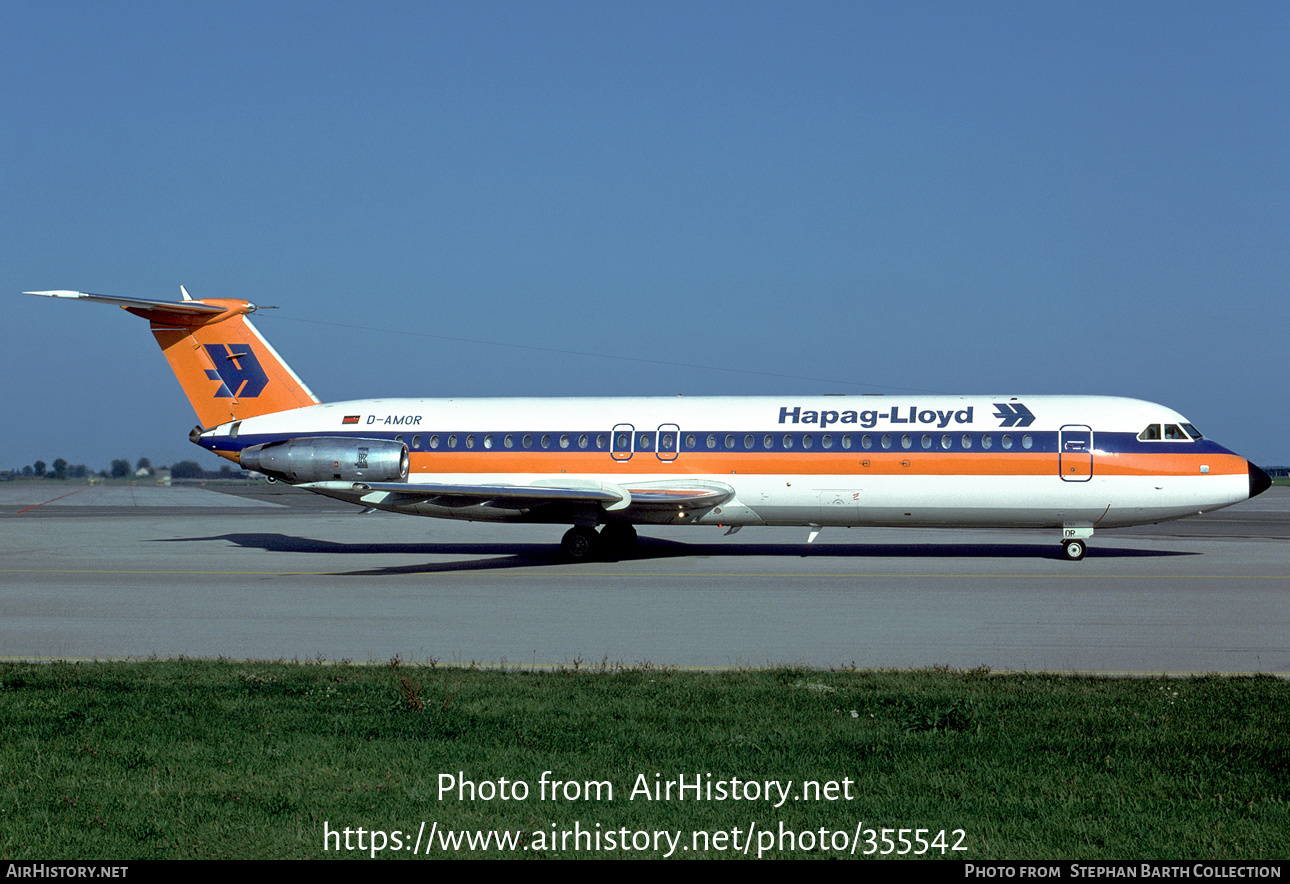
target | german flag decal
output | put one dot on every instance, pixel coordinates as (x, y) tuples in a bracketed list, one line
[(350, 419)]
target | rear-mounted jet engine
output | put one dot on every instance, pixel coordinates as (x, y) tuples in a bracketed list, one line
[(328, 458)]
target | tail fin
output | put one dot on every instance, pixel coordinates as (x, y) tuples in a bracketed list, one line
[(226, 368)]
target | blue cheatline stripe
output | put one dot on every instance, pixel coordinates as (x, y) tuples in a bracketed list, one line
[(697, 442)]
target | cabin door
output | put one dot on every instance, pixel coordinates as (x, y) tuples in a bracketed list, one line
[(1075, 453)]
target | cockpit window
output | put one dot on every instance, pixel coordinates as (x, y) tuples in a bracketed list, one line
[(1169, 433)]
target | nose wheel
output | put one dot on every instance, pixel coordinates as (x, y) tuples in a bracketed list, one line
[(1073, 550)]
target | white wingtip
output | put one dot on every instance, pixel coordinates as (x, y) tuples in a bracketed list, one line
[(57, 294)]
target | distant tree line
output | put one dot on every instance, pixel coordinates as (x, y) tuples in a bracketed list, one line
[(119, 469)]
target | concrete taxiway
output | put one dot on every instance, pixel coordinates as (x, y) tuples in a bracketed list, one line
[(115, 571)]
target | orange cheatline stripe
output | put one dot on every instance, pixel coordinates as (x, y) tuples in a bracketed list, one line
[(883, 463)]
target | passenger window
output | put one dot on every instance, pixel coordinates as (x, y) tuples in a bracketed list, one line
[(416, 441), (967, 440), (826, 441), (768, 441), (927, 441), (434, 441), (583, 441), (750, 442), (906, 441), (452, 440), (527, 441), (807, 441), (564, 440), (1006, 442), (509, 441), (712, 440), (488, 441), (788, 441), (946, 441), (470, 441), (1026, 441), (690, 441), (886, 441), (546, 441), (987, 441)]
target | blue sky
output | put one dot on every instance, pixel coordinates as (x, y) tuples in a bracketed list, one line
[(817, 197)]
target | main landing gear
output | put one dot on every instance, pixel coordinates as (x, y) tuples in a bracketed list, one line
[(581, 544)]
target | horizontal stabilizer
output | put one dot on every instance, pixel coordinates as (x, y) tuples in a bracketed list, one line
[(192, 308)]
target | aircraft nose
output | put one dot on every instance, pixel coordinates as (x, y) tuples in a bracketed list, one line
[(1259, 480)]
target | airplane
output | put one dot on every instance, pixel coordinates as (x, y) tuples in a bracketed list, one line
[(605, 465)]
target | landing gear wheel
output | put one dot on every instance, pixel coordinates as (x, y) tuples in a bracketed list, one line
[(1074, 550), (618, 539), (579, 544)]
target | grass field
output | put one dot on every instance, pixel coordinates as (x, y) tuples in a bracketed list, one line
[(223, 759)]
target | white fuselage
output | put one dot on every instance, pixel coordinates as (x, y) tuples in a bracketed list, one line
[(1028, 461)]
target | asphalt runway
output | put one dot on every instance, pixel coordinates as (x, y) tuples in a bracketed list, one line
[(267, 572)]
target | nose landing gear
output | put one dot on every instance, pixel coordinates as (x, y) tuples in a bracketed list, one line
[(1075, 541)]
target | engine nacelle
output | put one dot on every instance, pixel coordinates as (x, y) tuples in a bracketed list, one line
[(328, 458)]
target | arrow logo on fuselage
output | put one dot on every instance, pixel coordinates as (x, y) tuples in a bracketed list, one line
[(1013, 415)]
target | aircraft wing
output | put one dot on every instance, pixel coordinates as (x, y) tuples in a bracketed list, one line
[(508, 496), (649, 496)]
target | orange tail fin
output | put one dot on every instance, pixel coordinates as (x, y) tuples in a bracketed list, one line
[(227, 370)]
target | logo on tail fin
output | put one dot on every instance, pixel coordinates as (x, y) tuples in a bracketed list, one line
[(237, 370)]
